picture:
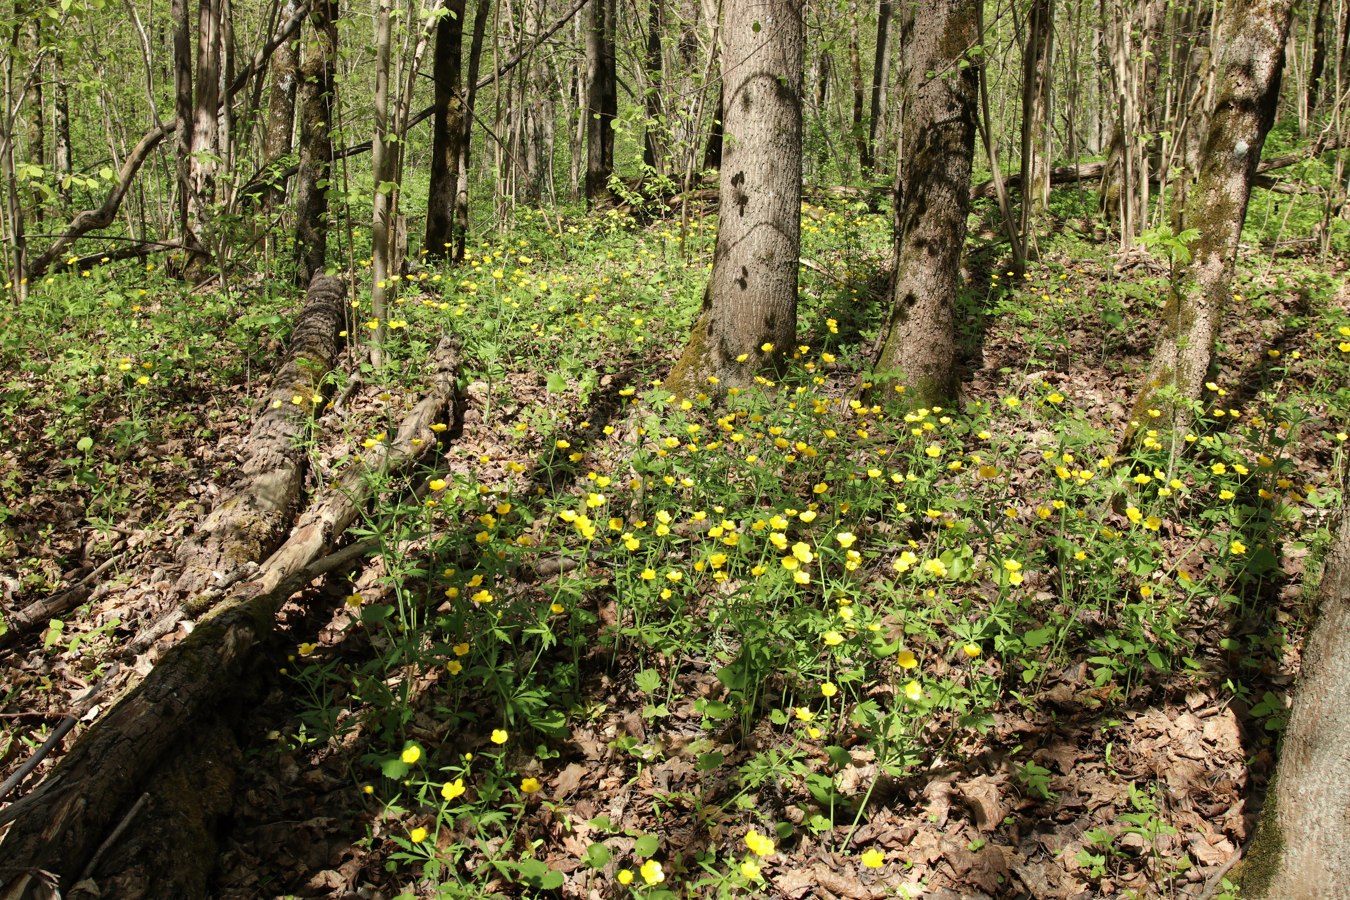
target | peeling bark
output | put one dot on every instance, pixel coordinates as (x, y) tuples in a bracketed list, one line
[(249, 521), (58, 828)]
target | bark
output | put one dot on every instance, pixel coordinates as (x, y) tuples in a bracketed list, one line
[(712, 150), (277, 139), (919, 344), (1037, 72), (602, 99), (249, 520), (1253, 43), (382, 172), (315, 95), (1302, 846), (205, 154), (749, 319), (59, 826), (61, 149), (461, 225), (447, 130), (880, 70), (654, 152), (1319, 58)]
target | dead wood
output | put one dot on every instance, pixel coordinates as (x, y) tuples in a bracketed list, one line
[(250, 518), (60, 826), (40, 612)]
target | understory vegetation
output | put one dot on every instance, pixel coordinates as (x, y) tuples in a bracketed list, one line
[(619, 644)]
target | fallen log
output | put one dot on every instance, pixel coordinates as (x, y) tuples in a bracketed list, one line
[(249, 520), (59, 827), (38, 613)]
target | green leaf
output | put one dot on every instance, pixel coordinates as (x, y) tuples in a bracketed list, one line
[(709, 761), (646, 845), (1038, 637), (394, 768), (557, 383), (648, 680), (597, 856), (84, 444), (839, 756)]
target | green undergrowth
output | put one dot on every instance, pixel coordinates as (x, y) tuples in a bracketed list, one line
[(794, 581), (783, 591)]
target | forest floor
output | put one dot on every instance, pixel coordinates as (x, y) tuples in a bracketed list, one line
[(795, 647)]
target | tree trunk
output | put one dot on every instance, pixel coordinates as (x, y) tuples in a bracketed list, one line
[(749, 319), (461, 225), (880, 70), (1302, 846), (59, 826), (654, 152), (1037, 134), (61, 149), (381, 163), (1319, 58), (938, 121), (277, 142), (601, 100), (250, 518), (447, 131), (315, 95), (204, 157), (1252, 45)]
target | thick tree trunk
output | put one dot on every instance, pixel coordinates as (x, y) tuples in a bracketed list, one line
[(602, 99), (315, 94), (1302, 846), (1252, 44), (749, 320), (182, 111), (250, 519), (60, 825), (447, 131), (919, 345)]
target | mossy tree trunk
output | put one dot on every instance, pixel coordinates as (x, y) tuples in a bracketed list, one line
[(918, 345), (1251, 58), (315, 94), (60, 825), (1302, 846), (250, 519), (749, 319)]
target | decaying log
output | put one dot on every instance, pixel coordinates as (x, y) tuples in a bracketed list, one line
[(59, 827), (249, 521)]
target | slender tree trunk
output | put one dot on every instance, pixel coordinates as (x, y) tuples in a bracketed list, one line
[(61, 149), (205, 157), (859, 94), (182, 107), (601, 100), (447, 130), (1302, 846), (461, 225), (1252, 44), (919, 344), (315, 96), (654, 153), (1037, 133), (749, 319), (37, 125), (381, 157), (880, 70), (1319, 58), (712, 150), (18, 243), (277, 139)]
